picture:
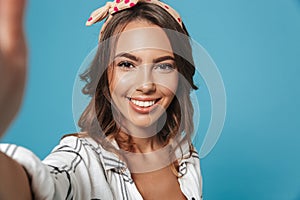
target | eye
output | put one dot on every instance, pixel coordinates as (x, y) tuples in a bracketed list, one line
[(125, 65), (165, 67)]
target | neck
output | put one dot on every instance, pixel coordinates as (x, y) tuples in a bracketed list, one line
[(144, 139), (146, 145), (147, 155)]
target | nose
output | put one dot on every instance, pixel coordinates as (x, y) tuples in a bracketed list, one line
[(145, 82), (146, 88)]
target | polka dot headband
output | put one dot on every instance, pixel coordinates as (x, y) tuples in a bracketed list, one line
[(118, 5)]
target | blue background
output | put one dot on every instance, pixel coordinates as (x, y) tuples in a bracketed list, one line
[(256, 45)]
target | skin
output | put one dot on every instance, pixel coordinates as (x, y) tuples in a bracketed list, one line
[(142, 75), (145, 75), (13, 65), (13, 61)]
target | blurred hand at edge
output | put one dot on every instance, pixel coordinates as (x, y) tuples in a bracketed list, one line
[(13, 60)]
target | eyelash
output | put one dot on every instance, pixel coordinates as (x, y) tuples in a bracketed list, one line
[(126, 65), (165, 67)]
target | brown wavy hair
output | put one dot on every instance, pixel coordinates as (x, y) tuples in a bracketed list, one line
[(97, 119)]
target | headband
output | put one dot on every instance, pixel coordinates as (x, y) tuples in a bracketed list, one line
[(111, 8)]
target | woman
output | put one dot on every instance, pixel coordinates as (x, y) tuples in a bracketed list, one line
[(136, 131)]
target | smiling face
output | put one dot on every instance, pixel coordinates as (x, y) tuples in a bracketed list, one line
[(143, 77)]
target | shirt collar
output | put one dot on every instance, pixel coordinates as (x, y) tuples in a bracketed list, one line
[(112, 161)]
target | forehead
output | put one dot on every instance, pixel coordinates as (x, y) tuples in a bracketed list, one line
[(141, 35)]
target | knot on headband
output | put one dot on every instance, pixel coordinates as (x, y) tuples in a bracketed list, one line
[(118, 5)]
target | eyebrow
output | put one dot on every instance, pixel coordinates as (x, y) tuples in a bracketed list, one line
[(127, 55), (134, 58), (163, 58)]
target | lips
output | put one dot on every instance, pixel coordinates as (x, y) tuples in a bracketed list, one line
[(143, 105)]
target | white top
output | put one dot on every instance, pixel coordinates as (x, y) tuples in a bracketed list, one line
[(79, 168)]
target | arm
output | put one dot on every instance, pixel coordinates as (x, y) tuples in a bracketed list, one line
[(13, 60), (14, 183)]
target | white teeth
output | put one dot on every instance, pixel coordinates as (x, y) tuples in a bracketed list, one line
[(143, 103)]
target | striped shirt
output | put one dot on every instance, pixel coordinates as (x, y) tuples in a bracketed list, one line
[(80, 168)]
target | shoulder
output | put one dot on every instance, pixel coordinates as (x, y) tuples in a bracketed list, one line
[(81, 150), (78, 142), (75, 147), (190, 172), (75, 139), (191, 158)]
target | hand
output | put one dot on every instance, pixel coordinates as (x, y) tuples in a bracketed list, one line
[(13, 60)]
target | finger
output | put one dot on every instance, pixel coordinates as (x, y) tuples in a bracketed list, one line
[(11, 24)]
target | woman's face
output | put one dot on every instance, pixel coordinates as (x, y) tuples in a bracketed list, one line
[(143, 77)]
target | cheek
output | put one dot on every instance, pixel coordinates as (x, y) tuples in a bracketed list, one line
[(169, 83), (120, 82)]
